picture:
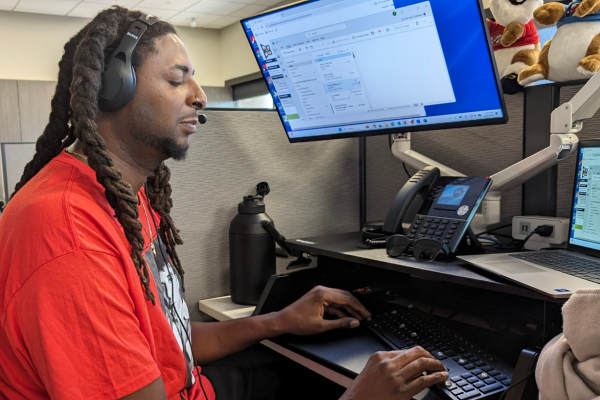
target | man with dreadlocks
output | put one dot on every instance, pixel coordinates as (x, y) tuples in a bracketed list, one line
[(91, 287)]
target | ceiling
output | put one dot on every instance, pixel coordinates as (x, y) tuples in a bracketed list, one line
[(213, 14)]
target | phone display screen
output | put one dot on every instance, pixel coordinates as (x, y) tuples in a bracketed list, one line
[(453, 195)]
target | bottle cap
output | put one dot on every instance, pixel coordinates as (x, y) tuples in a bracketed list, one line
[(250, 205)]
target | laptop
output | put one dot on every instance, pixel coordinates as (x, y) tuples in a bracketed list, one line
[(559, 273)]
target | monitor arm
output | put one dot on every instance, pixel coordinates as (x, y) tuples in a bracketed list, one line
[(566, 121), (402, 151), (561, 146), (489, 213)]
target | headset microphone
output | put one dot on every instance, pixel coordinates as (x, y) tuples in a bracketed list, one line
[(202, 118)]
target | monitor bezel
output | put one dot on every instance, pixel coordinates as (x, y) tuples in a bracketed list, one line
[(573, 247), (390, 131)]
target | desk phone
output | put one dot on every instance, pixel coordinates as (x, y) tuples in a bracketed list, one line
[(435, 207)]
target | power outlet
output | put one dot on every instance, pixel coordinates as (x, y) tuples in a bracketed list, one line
[(524, 228)]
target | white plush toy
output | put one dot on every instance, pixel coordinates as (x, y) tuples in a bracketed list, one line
[(515, 39), (574, 52)]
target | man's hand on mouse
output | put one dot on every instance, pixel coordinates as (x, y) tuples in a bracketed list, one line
[(306, 315), (396, 375)]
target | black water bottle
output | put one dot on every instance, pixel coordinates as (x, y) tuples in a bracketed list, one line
[(251, 250)]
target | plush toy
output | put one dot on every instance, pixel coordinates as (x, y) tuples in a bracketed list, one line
[(515, 39), (574, 52)]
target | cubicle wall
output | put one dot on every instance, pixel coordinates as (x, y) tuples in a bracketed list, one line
[(25, 108), (566, 169), (14, 158), (478, 151), (314, 186), (314, 191)]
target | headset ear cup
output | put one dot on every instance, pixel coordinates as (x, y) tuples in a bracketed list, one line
[(112, 88), (129, 81), (118, 78), (117, 89)]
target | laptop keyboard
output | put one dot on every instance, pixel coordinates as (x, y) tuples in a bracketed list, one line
[(571, 264)]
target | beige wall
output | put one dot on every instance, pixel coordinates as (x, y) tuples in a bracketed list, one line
[(31, 46), (236, 55), (203, 45)]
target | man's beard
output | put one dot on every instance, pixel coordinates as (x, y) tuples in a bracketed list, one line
[(164, 142), (169, 146)]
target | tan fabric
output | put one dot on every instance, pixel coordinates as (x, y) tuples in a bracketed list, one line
[(569, 366)]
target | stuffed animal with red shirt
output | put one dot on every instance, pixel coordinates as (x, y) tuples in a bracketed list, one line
[(515, 39)]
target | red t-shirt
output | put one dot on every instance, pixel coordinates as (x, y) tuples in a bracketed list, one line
[(74, 319), (530, 35)]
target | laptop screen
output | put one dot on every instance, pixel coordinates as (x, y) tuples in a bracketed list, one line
[(585, 224)]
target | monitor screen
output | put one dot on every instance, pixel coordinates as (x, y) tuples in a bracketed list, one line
[(585, 220), (346, 68)]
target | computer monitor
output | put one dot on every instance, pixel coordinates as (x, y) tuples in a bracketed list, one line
[(347, 68), (585, 217)]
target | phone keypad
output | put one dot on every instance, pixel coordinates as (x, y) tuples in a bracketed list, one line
[(435, 228)]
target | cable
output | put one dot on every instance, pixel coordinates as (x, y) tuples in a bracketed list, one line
[(533, 232), (490, 239), (406, 170), (542, 230), (493, 230), (376, 243), (502, 235), (166, 260), (514, 385)]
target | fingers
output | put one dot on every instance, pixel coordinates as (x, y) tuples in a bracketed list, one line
[(342, 298), (423, 382), (401, 358), (418, 366), (405, 357), (336, 312), (342, 323), (352, 312), (343, 311)]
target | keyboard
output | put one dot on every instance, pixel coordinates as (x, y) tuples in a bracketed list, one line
[(473, 373), (565, 262)]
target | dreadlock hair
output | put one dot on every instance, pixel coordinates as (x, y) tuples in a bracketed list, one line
[(75, 102), (158, 190)]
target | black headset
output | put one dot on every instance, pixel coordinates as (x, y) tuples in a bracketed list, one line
[(118, 78)]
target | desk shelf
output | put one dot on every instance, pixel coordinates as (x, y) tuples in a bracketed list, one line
[(342, 247)]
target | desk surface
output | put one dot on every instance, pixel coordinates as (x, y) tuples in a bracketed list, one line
[(223, 309), (342, 246), (337, 355), (344, 351)]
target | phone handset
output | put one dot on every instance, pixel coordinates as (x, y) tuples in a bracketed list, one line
[(409, 200)]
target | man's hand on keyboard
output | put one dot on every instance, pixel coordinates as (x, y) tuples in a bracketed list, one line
[(306, 315), (396, 375)]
